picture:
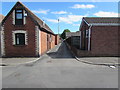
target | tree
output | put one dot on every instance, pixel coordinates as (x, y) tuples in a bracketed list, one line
[(63, 35)]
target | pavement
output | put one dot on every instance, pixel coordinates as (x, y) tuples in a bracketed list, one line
[(56, 53), (59, 69), (16, 61), (108, 61)]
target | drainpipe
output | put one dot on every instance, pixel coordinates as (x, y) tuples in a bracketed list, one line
[(80, 40), (89, 40)]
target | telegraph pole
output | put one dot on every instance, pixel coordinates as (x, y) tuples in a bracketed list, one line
[(58, 26)]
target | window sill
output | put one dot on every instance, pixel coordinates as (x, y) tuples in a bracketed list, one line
[(19, 45), (19, 25)]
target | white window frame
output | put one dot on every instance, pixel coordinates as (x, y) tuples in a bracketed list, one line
[(24, 17), (19, 31), (13, 17), (87, 33)]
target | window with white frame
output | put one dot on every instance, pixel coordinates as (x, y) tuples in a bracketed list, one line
[(19, 37), (19, 17), (87, 33)]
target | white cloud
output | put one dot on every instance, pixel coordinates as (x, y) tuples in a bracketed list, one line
[(59, 12), (51, 20), (40, 11), (83, 6), (106, 14), (71, 18), (76, 24)]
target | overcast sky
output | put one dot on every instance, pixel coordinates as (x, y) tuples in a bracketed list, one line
[(69, 13)]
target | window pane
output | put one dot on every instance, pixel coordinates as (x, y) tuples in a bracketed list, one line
[(18, 10), (20, 38), (19, 16)]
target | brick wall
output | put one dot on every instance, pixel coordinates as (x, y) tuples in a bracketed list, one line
[(104, 40), (57, 39), (53, 41), (44, 42), (12, 50)]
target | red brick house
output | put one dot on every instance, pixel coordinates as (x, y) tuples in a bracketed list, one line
[(99, 36), (24, 34)]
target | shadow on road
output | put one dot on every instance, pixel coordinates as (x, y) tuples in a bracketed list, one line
[(62, 52)]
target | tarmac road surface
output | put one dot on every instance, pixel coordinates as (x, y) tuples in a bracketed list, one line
[(58, 69)]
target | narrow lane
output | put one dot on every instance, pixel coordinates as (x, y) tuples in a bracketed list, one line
[(60, 51), (58, 69)]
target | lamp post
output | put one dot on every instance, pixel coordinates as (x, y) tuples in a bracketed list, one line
[(58, 26), (43, 23)]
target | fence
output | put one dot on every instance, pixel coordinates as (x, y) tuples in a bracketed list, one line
[(73, 44)]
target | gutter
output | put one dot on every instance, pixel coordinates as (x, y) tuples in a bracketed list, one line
[(89, 40), (86, 22)]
